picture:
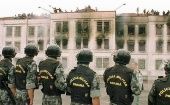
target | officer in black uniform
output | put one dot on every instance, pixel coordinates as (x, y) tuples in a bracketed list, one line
[(26, 76), (160, 91), (120, 81), (7, 76), (82, 82), (52, 77)]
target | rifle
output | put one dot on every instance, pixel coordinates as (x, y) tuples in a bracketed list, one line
[(10, 94)]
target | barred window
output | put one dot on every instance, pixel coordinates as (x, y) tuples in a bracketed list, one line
[(142, 30)]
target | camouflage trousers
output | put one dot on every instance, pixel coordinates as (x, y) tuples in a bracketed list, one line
[(21, 97), (51, 100), (4, 98)]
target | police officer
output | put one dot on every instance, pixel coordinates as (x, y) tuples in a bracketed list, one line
[(82, 82), (25, 76), (160, 91), (52, 77), (7, 75), (120, 81)]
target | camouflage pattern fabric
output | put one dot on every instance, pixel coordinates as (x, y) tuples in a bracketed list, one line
[(4, 98), (21, 97), (60, 83), (51, 100)]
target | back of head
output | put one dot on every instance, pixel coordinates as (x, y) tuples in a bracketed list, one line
[(167, 67), (122, 57), (8, 52), (53, 51), (84, 57), (31, 50)]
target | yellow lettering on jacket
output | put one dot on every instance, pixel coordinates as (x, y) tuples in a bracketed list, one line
[(19, 69), (44, 74), (80, 78), (164, 91), (116, 77), (78, 85)]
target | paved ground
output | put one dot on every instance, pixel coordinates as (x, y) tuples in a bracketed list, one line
[(104, 98)]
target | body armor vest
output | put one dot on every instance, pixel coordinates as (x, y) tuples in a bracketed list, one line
[(21, 72), (117, 80), (80, 80), (163, 89), (5, 66), (47, 69)]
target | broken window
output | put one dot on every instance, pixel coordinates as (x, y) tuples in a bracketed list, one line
[(31, 31), (82, 27), (9, 31), (65, 27), (82, 42), (141, 64), (63, 43), (102, 43), (119, 44), (142, 44), (17, 31), (142, 30), (62, 27), (131, 45), (131, 29), (159, 45), (159, 29)]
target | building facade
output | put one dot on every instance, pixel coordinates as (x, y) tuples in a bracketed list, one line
[(147, 37)]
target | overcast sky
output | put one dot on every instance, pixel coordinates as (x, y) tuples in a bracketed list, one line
[(12, 7)]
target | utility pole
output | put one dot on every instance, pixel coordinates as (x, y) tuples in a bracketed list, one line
[(45, 9), (120, 6)]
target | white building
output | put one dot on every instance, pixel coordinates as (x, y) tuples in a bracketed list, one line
[(146, 36)]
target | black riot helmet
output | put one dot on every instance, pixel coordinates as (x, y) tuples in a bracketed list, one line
[(8, 52), (122, 57), (84, 56), (167, 67), (31, 50), (53, 51)]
